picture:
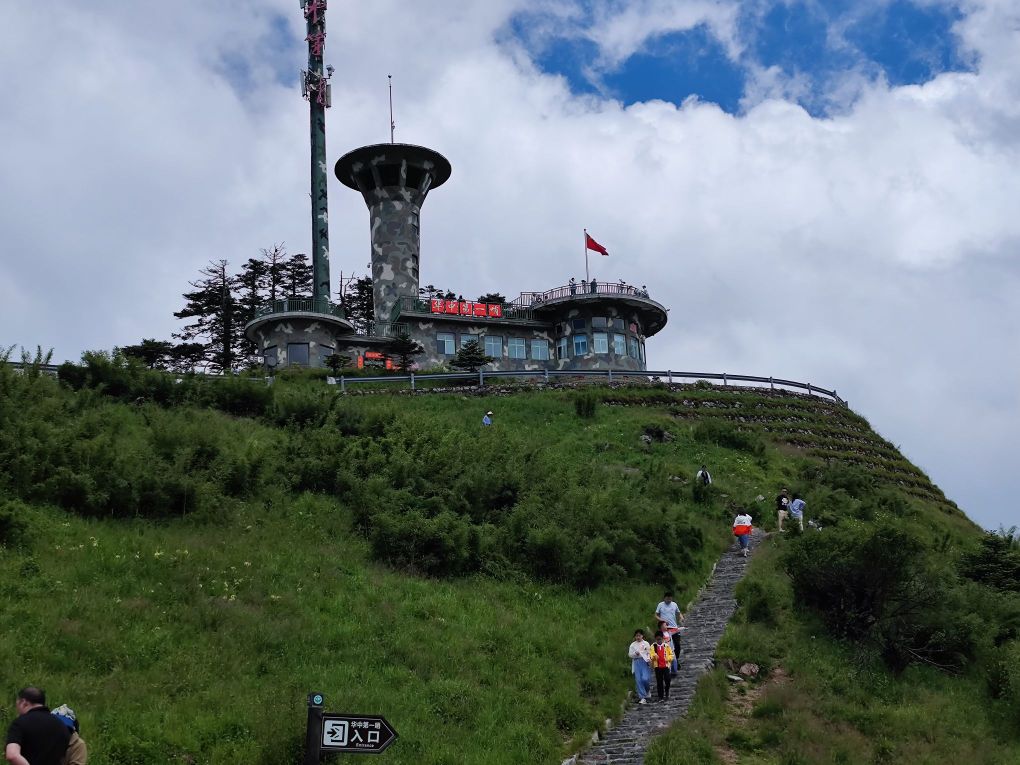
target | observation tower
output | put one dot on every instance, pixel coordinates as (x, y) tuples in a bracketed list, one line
[(394, 179)]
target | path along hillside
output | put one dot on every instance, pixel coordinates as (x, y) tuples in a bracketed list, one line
[(171, 548)]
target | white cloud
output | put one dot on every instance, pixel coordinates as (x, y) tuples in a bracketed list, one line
[(874, 251)]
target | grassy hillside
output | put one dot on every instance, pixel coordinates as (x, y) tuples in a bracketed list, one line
[(183, 560)]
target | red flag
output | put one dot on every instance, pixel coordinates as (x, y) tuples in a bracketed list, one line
[(591, 244)]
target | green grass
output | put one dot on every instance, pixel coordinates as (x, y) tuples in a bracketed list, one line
[(836, 704), (184, 562)]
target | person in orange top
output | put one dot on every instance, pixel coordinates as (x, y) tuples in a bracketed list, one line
[(742, 530), (662, 663)]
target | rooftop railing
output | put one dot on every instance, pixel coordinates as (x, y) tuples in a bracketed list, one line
[(300, 305), (580, 289)]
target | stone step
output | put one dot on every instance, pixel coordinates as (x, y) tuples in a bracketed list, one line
[(706, 622)]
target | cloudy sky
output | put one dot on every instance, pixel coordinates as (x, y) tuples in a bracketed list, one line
[(825, 190)]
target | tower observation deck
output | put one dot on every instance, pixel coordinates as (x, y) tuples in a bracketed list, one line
[(394, 179)]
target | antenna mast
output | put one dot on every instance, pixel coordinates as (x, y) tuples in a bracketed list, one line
[(393, 125), (316, 90)]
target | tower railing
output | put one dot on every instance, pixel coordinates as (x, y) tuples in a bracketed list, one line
[(580, 289), (300, 305)]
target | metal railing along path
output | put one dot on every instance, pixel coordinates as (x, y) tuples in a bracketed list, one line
[(609, 375)]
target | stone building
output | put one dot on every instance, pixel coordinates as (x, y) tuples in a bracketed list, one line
[(576, 326)]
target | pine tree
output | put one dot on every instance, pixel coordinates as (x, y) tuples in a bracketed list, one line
[(275, 259), (212, 308), (492, 297), (405, 349), (250, 286), (155, 354), (359, 304), (470, 357), (297, 277)]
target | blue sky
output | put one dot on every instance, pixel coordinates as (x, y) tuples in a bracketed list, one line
[(815, 44)]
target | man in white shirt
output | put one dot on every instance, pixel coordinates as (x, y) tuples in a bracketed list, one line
[(668, 611), (641, 665), (704, 476)]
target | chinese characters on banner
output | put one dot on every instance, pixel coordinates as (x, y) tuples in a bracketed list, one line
[(467, 308)]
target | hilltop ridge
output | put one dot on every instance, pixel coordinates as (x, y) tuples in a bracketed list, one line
[(169, 547)]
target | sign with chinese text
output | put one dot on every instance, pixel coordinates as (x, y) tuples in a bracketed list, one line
[(364, 734), (467, 308)]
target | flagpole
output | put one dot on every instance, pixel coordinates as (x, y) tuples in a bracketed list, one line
[(586, 276)]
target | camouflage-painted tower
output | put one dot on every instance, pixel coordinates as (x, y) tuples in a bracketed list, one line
[(296, 331), (317, 91), (394, 179)]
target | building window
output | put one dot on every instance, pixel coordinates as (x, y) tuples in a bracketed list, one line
[(540, 350), (269, 357), (517, 348), (494, 346), (641, 351), (465, 339), (599, 322), (619, 344), (632, 346), (324, 353), (618, 323), (561, 348), (580, 345), (579, 325), (444, 343), (297, 354), (600, 342), (634, 328)]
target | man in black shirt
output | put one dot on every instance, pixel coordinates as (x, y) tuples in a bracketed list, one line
[(36, 737)]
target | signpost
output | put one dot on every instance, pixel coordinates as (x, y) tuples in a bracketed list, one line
[(339, 733)]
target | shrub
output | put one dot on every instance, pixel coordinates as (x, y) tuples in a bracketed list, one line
[(729, 436), (440, 546), (995, 562), (242, 396), (874, 585), (584, 405), (303, 407), (12, 525)]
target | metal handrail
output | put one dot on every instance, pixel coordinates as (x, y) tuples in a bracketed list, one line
[(300, 305), (608, 374), (579, 290)]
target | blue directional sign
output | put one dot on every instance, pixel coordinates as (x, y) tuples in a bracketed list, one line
[(363, 734)]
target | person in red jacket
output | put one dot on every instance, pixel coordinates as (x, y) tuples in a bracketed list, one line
[(742, 530), (662, 663)]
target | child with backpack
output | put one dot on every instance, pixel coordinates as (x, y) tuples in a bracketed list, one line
[(662, 663), (742, 530)]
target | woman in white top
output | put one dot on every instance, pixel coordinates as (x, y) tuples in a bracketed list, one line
[(641, 665)]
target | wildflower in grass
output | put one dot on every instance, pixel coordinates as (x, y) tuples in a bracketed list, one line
[(247, 563), (157, 554)]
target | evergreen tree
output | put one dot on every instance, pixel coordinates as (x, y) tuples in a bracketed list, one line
[(275, 259), (492, 297), (336, 363), (405, 350), (359, 304), (250, 286), (297, 277), (184, 357), (470, 357), (211, 307), (155, 354)]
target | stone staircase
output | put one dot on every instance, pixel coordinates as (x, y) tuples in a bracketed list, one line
[(706, 621)]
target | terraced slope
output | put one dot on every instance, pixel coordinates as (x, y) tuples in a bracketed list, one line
[(812, 426)]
